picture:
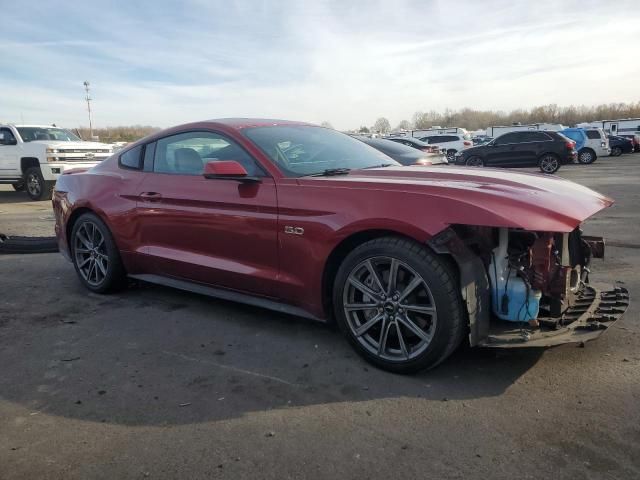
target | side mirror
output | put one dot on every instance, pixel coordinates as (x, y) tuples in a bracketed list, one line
[(227, 170)]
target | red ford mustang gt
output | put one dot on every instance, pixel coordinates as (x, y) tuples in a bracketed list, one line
[(409, 261)]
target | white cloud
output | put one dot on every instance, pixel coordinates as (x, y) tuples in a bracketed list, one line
[(316, 61)]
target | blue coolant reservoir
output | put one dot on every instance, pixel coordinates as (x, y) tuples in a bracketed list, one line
[(511, 299)]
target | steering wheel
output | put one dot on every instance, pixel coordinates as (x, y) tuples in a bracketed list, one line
[(282, 158)]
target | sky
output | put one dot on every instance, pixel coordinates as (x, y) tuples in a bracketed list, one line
[(163, 63)]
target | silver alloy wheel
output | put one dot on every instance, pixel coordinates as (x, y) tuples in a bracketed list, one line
[(549, 164), (585, 157), (389, 308), (90, 253), (34, 186), (451, 155)]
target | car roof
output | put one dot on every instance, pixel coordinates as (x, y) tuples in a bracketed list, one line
[(240, 123), (29, 126)]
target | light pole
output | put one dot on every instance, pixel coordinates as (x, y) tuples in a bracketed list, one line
[(88, 99)]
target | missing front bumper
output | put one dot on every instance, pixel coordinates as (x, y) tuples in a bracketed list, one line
[(594, 312)]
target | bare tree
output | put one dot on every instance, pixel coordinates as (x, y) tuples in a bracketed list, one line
[(382, 125), (569, 115), (404, 125)]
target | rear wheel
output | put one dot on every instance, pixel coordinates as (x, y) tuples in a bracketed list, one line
[(586, 156), (95, 255), (549, 163), (398, 305), (474, 161), (451, 155), (37, 187)]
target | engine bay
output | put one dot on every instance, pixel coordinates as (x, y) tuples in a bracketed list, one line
[(530, 288)]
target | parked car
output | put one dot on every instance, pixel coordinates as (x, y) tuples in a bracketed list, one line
[(409, 261), (415, 143), (451, 143), (32, 157), (620, 145), (591, 143), (546, 150), (481, 140), (635, 138), (403, 154)]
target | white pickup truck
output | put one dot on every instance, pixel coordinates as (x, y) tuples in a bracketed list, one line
[(32, 157)]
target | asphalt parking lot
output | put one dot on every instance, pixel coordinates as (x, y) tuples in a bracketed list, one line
[(156, 383)]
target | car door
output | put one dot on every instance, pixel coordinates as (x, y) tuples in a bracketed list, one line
[(526, 148), (219, 232), (9, 161), (502, 152), (541, 142)]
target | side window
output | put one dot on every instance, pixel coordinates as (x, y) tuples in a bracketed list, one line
[(6, 137), (593, 134), (187, 153), (543, 137), (132, 158), (435, 139), (507, 138), (534, 137)]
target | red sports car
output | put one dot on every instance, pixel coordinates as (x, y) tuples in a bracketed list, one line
[(409, 261)]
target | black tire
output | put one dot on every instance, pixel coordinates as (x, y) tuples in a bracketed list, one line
[(114, 277), (616, 151), (18, 186), (20, 245), (451, 155), (37, 187), (549, 163), (474, 161), (586, 156), (446, 329)]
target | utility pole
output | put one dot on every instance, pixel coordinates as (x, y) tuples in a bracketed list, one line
[(87, 97)]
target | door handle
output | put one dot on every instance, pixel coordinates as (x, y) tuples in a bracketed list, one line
[(150, 196)]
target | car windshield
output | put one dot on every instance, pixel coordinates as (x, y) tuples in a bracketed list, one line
[(29, 134), (300, 150)]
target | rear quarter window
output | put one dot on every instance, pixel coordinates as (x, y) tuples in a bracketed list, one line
[(132, 159), (594, 134)]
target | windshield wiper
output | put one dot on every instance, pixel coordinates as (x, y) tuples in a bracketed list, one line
[(329, 172), (382, 165)]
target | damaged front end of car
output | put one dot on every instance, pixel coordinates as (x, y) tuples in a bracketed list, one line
[(530, 288)]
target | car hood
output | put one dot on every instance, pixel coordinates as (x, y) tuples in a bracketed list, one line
[(487, 196), (82, 145)]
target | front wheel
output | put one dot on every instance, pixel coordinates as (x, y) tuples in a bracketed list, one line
[(616, 151), (95, 255), (549, 163), (398, 304), (586, 156), (37, 187), (474, 161)]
